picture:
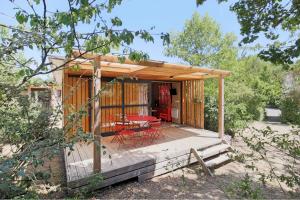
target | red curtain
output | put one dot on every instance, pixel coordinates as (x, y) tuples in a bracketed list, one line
[(165, 102)]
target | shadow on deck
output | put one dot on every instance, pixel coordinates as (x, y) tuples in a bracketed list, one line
[(123, 162)]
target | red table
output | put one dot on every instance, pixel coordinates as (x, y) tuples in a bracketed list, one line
[(144, 124), (145, 118)]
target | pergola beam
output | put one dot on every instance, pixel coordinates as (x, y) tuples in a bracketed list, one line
[(151, 63)]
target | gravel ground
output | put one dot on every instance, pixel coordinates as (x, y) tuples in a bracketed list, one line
[(186, 183), (191, 183)]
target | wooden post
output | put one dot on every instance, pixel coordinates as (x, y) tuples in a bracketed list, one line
[(97, 116), (202, 104), (221, 107)]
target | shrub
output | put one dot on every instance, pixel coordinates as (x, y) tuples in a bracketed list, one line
[(245, 189), (211, 113), (290, 111)]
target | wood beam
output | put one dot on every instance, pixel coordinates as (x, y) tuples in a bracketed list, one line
[(202, 104), (221, 107), (97, 116), (151, 63)]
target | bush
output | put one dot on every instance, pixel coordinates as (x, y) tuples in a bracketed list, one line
[(252, 85), (242, 104), (244, 189), (211, 113), (290, 111)]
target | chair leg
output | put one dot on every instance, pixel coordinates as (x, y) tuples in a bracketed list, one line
[(114, 138)]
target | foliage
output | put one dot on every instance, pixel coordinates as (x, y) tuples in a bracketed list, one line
[(262, 143), (290, 111), (252, 85), (59, 32), (268, 20), (202, 43), (290, 102), (246, 95), (244, 189), (32, 132), (211, 113), (86, 191)]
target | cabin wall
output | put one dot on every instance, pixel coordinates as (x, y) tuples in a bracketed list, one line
[(193, 103), (135, 98), (77, 90)]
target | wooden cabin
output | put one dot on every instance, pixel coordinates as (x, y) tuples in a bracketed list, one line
[(171, 92)]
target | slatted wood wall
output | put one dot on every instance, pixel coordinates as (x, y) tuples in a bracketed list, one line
[(193, 103), (77, 91), (76, 94), (111, 104), (136, 102)]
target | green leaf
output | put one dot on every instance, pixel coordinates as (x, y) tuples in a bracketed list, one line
[(21, 17), (116, 21)]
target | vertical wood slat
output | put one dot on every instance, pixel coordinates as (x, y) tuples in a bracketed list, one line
[(183, 104), (73, 93), (193, 116), (78, 97), (188, 103), (202, 106), (197, 105), (197, 92), (83, 102), (193, 111), (65, 101), (221, 107), (97, 117)]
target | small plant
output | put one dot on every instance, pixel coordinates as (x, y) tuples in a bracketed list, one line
[(261, 144), (87, 191), (244, 188)]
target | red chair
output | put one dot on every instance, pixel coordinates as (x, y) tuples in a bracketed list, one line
[(165, 114), (119, 138), (153, 132)]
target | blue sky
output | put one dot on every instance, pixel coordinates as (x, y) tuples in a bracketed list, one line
[(170, 15), (165, 15)]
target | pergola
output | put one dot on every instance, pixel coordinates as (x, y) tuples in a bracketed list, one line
[(110, 66), (148, 70)]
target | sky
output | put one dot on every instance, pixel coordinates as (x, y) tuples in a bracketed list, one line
[(170, 15), (165, 15)]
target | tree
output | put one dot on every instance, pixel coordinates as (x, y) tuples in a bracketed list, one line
[(290, 104), (26, 127), (201, 43), (270, 19)]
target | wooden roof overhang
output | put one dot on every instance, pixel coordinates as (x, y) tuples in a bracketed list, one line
[(149, 70)]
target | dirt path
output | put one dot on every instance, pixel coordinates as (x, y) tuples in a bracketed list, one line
[(190, 183), (187, 183)]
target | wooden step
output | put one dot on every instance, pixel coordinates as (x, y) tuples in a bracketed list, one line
[(218, 160), (214, 150)]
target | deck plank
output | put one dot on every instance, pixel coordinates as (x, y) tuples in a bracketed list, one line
[(175, 144)]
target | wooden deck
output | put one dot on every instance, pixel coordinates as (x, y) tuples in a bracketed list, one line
[(145, 161)]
